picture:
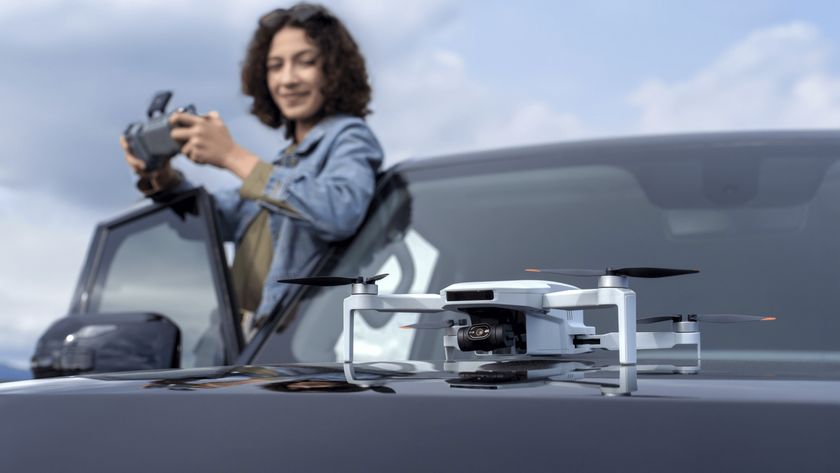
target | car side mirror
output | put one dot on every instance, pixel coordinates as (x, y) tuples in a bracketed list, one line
[(99, 343)]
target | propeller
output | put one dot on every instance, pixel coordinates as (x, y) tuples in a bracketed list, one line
[(711, 318), (436, 324), (333, 280), (630, 272)]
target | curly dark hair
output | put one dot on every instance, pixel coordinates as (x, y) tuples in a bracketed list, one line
[(346, 88)]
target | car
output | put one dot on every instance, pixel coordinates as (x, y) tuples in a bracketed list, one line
[(757, 213)]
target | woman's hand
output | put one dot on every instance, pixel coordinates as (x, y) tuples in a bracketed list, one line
[(207, 141), (159, 179), (137, 165)]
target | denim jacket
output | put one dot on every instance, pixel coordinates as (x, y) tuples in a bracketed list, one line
[(315, 193)]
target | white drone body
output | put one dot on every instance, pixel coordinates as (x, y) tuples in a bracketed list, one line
[(554, 320), (550, 331)]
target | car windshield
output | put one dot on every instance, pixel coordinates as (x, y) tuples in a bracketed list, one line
[(759, 218)]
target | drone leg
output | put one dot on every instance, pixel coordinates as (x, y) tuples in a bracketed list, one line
[(626, 305), (450, 342), (624, 300), (388, 303), (627, 382), (698, 348), (349, 320)]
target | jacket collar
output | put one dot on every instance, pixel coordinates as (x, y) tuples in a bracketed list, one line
[(314, 136)]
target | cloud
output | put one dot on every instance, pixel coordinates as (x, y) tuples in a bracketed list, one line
[(428, 104), (391, 29), (775, 78), (44, 242), (72, 84)]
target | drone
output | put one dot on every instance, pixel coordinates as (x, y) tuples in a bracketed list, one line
[(530, 317)]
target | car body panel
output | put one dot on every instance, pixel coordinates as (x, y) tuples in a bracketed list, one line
[(230, 419), (762, 398)]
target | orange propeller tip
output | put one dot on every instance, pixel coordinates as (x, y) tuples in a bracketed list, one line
[(533, 270), (768, 318)]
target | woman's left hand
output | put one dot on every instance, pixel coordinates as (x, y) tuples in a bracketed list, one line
[(206, 139)]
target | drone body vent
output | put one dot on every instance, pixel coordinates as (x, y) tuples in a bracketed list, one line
[(485, 295)]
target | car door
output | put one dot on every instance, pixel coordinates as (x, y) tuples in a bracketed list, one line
[(166, 258)]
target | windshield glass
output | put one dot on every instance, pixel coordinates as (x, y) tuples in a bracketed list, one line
[(761, 221)]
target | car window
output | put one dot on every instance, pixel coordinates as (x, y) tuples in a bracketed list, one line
[(762, 225), (410, 263), (163, 262)]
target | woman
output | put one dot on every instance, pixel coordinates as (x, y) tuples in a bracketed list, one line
[(306, 75)]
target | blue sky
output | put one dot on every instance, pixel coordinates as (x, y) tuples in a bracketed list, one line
[(448, 76)]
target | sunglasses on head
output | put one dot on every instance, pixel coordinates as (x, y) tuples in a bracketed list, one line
[(298, 13)]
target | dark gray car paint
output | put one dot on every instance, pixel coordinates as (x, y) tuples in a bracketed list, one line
[(414, 422), (752, 418)]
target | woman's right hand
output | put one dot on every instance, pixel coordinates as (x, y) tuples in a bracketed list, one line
[(137, 165), (159, 179)]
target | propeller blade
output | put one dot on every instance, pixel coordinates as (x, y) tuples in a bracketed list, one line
[(711, 318), (659, 318), (650, 272), (730, 318), (568, 272), (333, 280), (431, 324), (320, 281), (375, 278), (629, 272)]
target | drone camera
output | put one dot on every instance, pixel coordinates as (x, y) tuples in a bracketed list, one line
[(486, 337), (492, 329)]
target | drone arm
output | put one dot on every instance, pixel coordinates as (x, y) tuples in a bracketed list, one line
[(401, 302), (647, 340), (624, 300), (384, 303)]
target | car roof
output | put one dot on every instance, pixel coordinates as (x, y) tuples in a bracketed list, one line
[(783, 138)]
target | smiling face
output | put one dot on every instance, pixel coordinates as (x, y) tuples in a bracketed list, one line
[(295, 77)]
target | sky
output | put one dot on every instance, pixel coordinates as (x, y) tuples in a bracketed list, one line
[(448, 76)]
